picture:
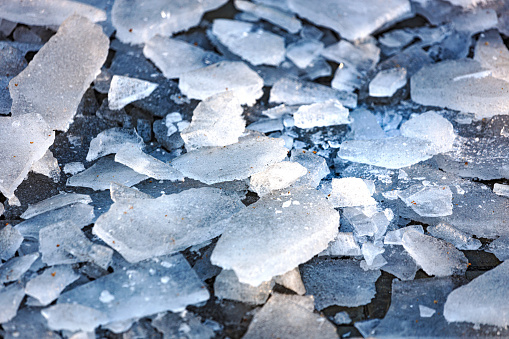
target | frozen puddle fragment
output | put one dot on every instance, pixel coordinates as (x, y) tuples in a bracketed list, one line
[(47, 286), (303, 52), (435, 256), (386, 83), (461, 240), (350, 192), (430, 127), (257, 47), (328, 113), (47, 12), (124, 90), (339, 282), (141, 285), (144, 228), (276, 177), (133, 157), (238, 161), (110, 141), (227, 286), (484, 300), (48, 166), (55, 202), (217, 121), (316, 167), (268, 239), (24, 140), (52, 85), (289, 317), (175, 57), (428, 201), (202, 83)]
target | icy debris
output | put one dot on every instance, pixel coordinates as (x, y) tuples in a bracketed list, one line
[(124, 90), (436, 257), (502, 190), (275, 177), (387, 82), (14, 269), (175, 57), (342, 318), (227, 286), (110, 141), (24, 139), (47, 12), (289, 317), (48, 166), (430, 127), (233, 162), (338, 282), (327, 113), (367, 221), (484, 300), (316, 167), (491, 53), (303, 52), (10, 240), (370, 251), (223, 76), (454, 236), (217, 121), (133, 157), (79, 214), (271, 14), (462, 85), (73, 317), (258, 47), (396, 237), (258, 237), (426, 312), (343, 245), (119, 193), (296, 92), (428, 201), (47, 286), (399, 263), (396, 152), (141, 285), (366, 327), (10, 299), (361, 56), (144, 228), (73, 168), (137, 21), (500, 248), (103, 172), (183, 325), (466, 3), (365, 126), (52, 85), (55, 202), (292, 281), (28, 323), (358, 20), (350, 192)]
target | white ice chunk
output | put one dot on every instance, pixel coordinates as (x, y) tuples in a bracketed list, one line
[(316, 167), (223, 76), (328, 113), (217, 121), (370, 251), (500, 248), (367, 221), (365, 125), (303, 52), (120, 193), (396, 237), (387, 82), (260, 236), (52, 85), (350, 192), (48, 166), (110, 141), (73, 317), (227, 286), (47, 286), (10, 240), (275, 177), (454, 236), (57, 201), (491, 53), (344, 245), (361, 56), (426, 312), (430, 127), (428, 201), (73, 168), (271, 14), (342, 318), (10, 299), (13, 269), (292, 281), (501, 189), (124, 90)]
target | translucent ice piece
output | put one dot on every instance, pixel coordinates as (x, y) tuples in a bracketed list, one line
[(484, 300), (350, 192), (426, 312), (296, 92), (262, 234), (185, 324), (273, 15), (361, 56), (10, 240), (13, 269), (303, 52), (124, 90), (223, 76), (436, 257), (500, 248), (110, 141), (175, 57), (55, 202), (396, 237), (227, 286), (501, 189), (133, 157), (344, 245), (370, 251), (52, 85), (144, 228), (47, 286), (327, 113), (73, 317), (491, 53), (387, 82), (10, 299), (217, 121), (399, 263), (276, 177), (428, 201), (365, 125), (316, 167), (338, 282), (292, 281), (258, 47), (342, 318), (454, 236), (102, 173), (233, 162), (430, 127), (368, 221), (48, 166), (47, 12), (120, 193)]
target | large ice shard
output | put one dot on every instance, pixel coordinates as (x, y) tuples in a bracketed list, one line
[(303, 52), (52, 84), (491, 53), (48, 166), (484, 300), (144, 228), (47, 286), (217, 121), (223, 76), (352, 20), (25, 139), (175, 57), (124, 90), (47, 12), (233, 162), (428, 201), (73, 317), (111, 141), (14, 268), (137, 21), (277, 176), (274, 15), (10, 240), (55, 202), (10, 299), (454, 236), (350, 192), (430, 126), (327, 113), (258, 47), (268, 239), (227, 286), (387, 82)]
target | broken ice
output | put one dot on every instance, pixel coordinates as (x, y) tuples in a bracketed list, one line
[(124, 90), (328, 113), (386, 83), (276, 177)]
